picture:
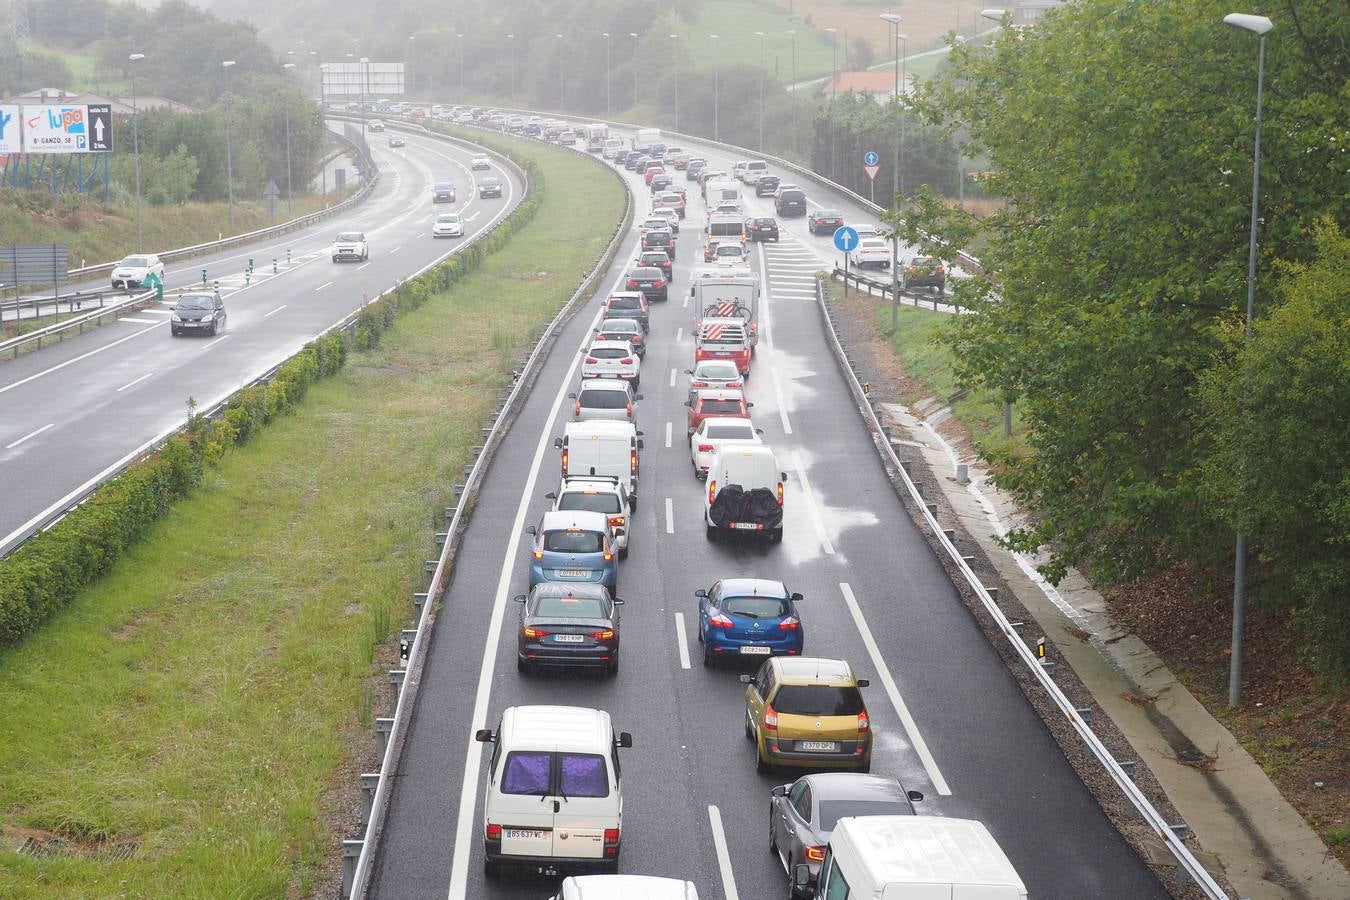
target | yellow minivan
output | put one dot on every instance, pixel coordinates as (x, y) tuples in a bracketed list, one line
[(807, 712)]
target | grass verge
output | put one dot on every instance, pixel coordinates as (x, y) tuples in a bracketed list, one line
[(202, 707)]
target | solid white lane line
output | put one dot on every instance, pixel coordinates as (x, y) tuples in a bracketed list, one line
[(137, 381), (59, 366), (679, 334), (782, 404), (360, 267), (811, 507), (396, 249), (33, 434), (275, 311), (474, 216), (158, 312), (669, 426), (322, 286), (213, 343), (686, 301), (767, 322), (723, 857), (670, 517), (672, 377), (681, 640), (136, 321), (893, 692)]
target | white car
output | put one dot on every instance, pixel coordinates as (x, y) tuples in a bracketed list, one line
[(480, 161), (612, 359), (351, 245), (714, 433), (654, 222), (729, 253), (604, 398), (714, 374), (375, 125), (866, 231), (871, 252), (671, 218), (447, 225), (602, 495), (132, 271)]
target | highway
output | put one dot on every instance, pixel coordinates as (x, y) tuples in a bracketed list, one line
[(948, 718), (73, 412)]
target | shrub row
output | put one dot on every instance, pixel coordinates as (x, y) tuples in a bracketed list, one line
[(51, 569)]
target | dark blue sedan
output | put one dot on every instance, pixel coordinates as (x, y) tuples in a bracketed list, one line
[(748, 618)]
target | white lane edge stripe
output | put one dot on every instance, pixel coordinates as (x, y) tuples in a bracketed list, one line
[(137, 381), (669, 427), (670, 516), (73, 360), (681, 641), (33, 434), (723, 857), (275, 311), (893, 692), (812, 507)]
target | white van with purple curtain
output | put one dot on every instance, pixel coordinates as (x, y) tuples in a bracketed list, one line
[(553, 798)]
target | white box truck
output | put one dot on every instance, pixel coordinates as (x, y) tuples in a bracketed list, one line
[(913, 858), (646, 137)]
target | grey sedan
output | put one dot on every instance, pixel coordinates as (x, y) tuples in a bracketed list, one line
[(802, 815)]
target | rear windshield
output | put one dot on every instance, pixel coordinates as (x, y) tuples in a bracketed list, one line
[(609, 352), (571, 607), (818, 700), (645, 273), (656, 237), (831, 811), (136, 262), (793, 196), (620, 326), (590, 501), (730, 432), (574, 541), (532, 773), (625, 303), (527, 773), (582, 775), (923, 261), (351, 236), (721, 406), (827, 214), (729, 250), (603, 399), (719, 372), (655, 259), (756, 608)]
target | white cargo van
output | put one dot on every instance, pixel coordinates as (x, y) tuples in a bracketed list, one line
[(721, 191), (745, 492), (553, 794), (625, 887), (895, 857), (646, 137), (599, 447)]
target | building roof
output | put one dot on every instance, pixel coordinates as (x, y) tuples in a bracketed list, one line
[(879, 82)]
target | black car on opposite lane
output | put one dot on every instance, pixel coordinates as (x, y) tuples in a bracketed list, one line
[(568, 625), (761, 228)]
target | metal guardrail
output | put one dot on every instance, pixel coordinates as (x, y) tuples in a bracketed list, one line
[(863, 283), (1172, 836), (58, 329), (367, 185), (358, 855), (345, 324)]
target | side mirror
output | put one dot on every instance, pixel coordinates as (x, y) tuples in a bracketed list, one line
[(551, 495), (689, 371), (618, 601), (914, 796), (557, 443), (747, 679), (572, 396), (782, 476), (519, 598), (638, 433), (687, 403), (863, 682), (780, 791), (625, 740), (801, 875), (530, 529), (640, 444), (637, 396), (759, 431), (797, 598), (701, 592), (749, 406), (484, 736)]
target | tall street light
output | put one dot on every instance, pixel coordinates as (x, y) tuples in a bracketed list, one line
[(512, 39), (1259, 26), (136, 145), (895, 202), (365, 89), (412, 56), (675, 43), (286, 106), (717, 91), (760, 34), (460, 39), (560, 74), (834, 94), (634, 36), (895, 41), (793, 35), (229, 151), (609, 105)]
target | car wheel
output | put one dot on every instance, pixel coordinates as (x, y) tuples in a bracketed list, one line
[(335, 259), (711, 533), (173, 331), (707, 656), (866, 768), (613, 668), (749, 732), (491, 868), (776, 535), (773, 839), (623, 553), (523, 666), (761, 767)]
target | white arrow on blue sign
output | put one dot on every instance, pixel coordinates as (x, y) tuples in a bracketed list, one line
[(870, 158), (845, 238)]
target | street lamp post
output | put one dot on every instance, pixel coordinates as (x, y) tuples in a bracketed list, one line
[(229, 151), (412, 56), (834, 94), (136, 146), (1258, 25), (895, 180), (286, 105), (365, 89), (634, 36), (560, 72), (717, 92), (793, 35), (609, 105), (675, 39), (761, 90)]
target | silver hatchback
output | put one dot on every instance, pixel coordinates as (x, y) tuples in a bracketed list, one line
[(605, 398)]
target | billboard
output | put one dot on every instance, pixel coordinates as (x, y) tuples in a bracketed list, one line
[(359, 79), (67, 128), (9, 129)]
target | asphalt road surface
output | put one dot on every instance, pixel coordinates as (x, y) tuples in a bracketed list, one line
[(955, 727), (73, 412)]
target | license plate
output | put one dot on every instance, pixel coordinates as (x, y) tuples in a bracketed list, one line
[(574, 573), (745, 526), (819, 746), (568, 638), (525, 834), (755, 651)]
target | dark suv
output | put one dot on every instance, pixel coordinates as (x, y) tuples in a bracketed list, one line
[(790, 201), (648, 279), (924, 271), (628, 305), (659, 240), (767, 185), (659, 259), (761, 228)]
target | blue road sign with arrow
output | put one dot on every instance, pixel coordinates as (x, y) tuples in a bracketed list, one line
[(845, 238), (870, 158)]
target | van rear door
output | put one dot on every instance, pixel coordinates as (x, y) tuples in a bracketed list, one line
[(589, 804), (525, 813)]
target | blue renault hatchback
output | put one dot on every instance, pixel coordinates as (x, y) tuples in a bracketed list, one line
[(748, 617), (574, 546)]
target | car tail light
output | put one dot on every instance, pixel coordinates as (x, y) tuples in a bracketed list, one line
[(494, 832), (632, 283), (626, 361), (577, 410), (609, 552), (940, 270), (780, 493), (659, 283), (864, 724), (564, 463), (617, 521), (611, 842), (698, 384), (538, 551), (535, 632), (592, 361), (815, 854), (628, 410), (632, 462), (705, 448), (770, 718), (603, 635), (712, 491), (789, 624)]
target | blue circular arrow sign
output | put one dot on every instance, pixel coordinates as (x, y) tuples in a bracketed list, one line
[(845, 238), (870, 158)]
